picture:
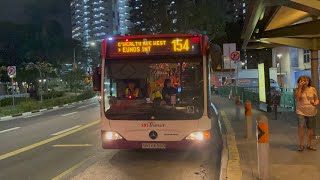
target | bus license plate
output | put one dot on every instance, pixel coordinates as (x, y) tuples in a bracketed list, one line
[(153, 146)]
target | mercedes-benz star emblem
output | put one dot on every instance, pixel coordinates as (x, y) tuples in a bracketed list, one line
[(153, 134)]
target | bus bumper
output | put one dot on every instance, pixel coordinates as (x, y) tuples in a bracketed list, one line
[(178, 145), (162, 145)]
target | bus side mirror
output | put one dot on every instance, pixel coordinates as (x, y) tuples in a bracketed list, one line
[(97, 79)]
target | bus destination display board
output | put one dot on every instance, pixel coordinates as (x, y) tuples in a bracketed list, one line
[(154, 46)]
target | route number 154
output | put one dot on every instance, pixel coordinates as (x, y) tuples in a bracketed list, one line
[(180, 45)]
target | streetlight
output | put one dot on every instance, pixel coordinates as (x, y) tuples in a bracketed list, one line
[(41, 88), (279, 64)]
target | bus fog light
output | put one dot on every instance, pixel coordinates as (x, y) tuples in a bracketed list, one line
[(112, 136), (200, 136)]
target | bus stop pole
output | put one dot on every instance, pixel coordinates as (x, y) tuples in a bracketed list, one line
[(237, 102)]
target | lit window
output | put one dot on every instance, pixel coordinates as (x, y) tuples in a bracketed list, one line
[(306, 56)]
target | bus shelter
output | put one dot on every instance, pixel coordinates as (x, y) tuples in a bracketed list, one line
[(295, 23)]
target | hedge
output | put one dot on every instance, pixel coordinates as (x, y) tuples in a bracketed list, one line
[(32, 105)]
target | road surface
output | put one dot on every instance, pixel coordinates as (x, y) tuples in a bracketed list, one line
[(65, 144)]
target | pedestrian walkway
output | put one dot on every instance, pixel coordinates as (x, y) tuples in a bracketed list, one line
[(285, 161)]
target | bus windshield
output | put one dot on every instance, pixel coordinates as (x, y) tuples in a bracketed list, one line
[(154, 91)]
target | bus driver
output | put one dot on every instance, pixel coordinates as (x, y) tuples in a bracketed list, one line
[(131, 91)]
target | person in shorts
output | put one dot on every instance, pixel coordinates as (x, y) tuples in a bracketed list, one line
[(306, 110)]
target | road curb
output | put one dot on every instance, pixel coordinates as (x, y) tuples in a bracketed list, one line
[(224, 150), (26, 113), (7, 118), (224, 159), (16, 115)]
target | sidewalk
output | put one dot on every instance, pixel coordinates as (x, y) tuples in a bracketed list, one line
[(285, 161)]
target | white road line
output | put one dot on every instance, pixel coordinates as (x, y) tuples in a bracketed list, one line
[(33, 115), (69, 114), (85, 106), (11, 129), (69, 129)]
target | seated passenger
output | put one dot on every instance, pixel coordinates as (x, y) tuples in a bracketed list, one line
[(168, 91), (131, 91)]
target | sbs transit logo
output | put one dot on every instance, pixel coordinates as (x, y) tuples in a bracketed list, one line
[(152, 125)]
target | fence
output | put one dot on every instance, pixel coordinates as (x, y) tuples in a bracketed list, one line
[(26, 95), (287, 100)]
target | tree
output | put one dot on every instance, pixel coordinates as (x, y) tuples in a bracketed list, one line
[(75, 79)]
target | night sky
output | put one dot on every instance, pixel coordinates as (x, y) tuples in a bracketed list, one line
[(13, 10)]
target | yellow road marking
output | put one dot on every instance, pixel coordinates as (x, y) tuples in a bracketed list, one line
[(233, 165), (72, 145), (68, 171), (18, 151)]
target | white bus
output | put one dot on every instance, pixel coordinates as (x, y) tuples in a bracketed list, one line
[(155, 92)]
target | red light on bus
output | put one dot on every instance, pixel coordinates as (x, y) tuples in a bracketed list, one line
[(127, 40), (130, 97), (195, 39)]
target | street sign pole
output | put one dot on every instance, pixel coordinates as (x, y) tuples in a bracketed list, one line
[(12, 90), (12, 72), (235, 56)]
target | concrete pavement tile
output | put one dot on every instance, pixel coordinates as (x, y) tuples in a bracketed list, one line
[(295, 172)]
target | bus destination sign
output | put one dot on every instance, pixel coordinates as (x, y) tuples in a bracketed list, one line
[(156, 46)]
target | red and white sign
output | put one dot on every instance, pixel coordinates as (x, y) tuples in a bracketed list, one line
[(12, 71), (235, 56)]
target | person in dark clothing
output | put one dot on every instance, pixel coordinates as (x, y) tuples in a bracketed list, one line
[(168, 91)]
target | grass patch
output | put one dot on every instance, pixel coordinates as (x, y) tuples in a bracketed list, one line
[(33, 105)]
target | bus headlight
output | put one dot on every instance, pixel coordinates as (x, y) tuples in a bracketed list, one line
[(200, 136), (112, 136)]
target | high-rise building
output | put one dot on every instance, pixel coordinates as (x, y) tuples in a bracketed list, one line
[(94, 20), (239, 8), (124, 16)]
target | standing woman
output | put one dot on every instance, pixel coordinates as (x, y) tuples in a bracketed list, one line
[(306, 109)]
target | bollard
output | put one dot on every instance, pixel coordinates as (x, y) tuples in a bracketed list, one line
[(248, 115), (263, 147), (237, 102)]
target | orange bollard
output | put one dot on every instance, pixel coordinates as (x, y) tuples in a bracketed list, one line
[(263, 147), (248, 115)]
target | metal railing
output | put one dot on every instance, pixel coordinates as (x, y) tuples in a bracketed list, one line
[(287, 100), (26, 95)]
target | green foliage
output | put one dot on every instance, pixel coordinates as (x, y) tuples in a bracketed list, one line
[(86, 95), (8, 101), (52, 94), (32, 105), (29, 105), (75, 79)]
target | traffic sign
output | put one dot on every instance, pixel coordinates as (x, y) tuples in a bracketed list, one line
[(263, 136), (235, 56), (228, 48), (12, 71)]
